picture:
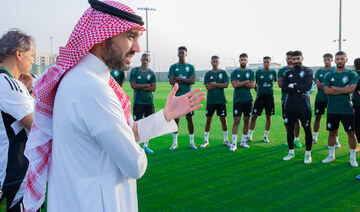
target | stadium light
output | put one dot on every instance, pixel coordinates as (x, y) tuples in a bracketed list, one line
[(147, 27)]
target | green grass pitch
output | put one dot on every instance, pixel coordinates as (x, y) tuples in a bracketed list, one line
[(255, 179)]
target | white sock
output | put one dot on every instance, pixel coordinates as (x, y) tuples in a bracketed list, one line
[(337, 139), (291, 152), (332, 151), (206, 136), (307, 153), (243, 139), (266, 133), (296, 139), (353, 154), (191, 138), (175, 135), (315, 134), (234, 139), (225, 135), (146, 143), (250, 133)]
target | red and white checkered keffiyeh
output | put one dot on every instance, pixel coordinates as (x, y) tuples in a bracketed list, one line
[(92, 28)]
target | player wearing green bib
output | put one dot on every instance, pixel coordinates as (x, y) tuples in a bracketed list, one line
[(321, 99), (281, 73), (338, 85), (215, 81), (183, 74), (242, 79), (143, 81), (118, 76), (356, 103), (264, 86)]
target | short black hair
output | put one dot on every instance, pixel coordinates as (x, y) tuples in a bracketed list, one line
[(340, 53), (357, 63), (145, 54), (183, 48), (267, 58), (328, 55), (289, 53), (215, 56), (296, 53), (243, 55)]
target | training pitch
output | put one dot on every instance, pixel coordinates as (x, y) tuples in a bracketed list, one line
[(255, 179)]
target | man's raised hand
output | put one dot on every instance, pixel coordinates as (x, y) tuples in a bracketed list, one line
[(177, 106)]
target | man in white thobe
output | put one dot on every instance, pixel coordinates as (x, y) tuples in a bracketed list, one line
[(95, 157)]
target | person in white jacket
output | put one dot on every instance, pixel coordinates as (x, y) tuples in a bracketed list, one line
[(93, 143)]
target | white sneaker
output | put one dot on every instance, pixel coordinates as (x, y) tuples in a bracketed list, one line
[(289, 157), (328, 159), (243, 144), (233, 148), (248, 139), (266, 140), (226, 143), (192, 146), (205, 144), (353, 163), (314, 141), (307, 159), (174, 146), (337, 144)]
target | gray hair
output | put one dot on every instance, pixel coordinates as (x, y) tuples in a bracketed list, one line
[(14, 40)]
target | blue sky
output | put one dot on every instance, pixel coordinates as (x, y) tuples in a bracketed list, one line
[(225, 28)]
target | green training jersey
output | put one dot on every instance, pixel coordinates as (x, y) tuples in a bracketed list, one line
[(216, 95), (320, 75), (281, 74), (340, 104), (183, 71), (265, 82), (140, 77), (355, 99), (118, 76), (242, 94)]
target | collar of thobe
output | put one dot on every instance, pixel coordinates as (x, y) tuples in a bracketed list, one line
[(95, 65)]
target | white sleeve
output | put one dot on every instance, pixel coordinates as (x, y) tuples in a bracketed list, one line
[(104, 118), (15, 99), (154, 126)]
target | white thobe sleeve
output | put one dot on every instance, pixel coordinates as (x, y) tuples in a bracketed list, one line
[(154, 126), (103, 116)]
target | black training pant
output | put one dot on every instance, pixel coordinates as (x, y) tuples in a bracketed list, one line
[(291, 116)]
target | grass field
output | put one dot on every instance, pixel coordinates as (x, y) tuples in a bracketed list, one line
[(255, 179)]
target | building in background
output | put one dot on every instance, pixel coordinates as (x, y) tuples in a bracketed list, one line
[(42, 58), (42, 61)]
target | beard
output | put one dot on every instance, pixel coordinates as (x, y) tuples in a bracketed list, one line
[(339, 66), (297, 65), (113, 56), (242, 65)]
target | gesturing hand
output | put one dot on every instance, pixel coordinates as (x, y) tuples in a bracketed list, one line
[(177, 106)]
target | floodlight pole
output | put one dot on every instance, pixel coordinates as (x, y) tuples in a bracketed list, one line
[(147, 27), (340, 14), (234, 61), (51, 38)]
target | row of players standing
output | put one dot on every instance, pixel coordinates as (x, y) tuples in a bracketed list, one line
[(143, 81), (335, 88)]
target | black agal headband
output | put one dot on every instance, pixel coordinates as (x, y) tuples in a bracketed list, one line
[(105, 8)]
